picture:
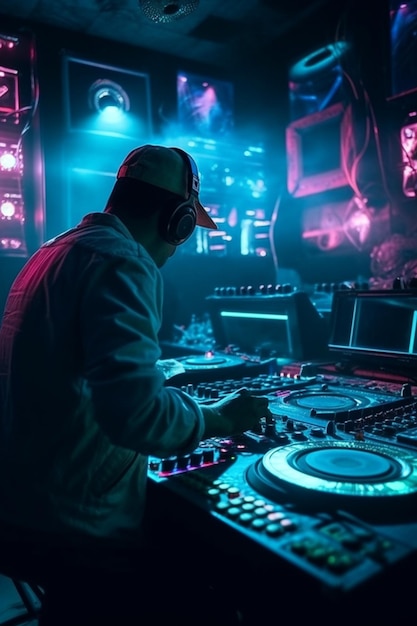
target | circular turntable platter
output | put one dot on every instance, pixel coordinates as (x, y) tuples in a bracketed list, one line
[(323, 402), (208, 367), (330, 402), (210, 360), (359, 472)]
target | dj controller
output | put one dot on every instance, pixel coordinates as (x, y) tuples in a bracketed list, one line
[(319, 502), (325, 490)]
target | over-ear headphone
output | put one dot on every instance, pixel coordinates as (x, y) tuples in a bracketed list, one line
[(177, 224)]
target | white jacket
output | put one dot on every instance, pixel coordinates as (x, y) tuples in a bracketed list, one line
[(82, 401)]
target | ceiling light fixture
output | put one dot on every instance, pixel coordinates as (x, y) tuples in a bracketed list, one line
[(165, 11)]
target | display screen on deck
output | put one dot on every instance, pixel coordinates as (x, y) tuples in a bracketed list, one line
[(255, 332), (375, 323)]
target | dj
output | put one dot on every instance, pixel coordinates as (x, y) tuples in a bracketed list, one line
[(83, 402)]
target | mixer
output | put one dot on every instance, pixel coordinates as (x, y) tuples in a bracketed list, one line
[(322, 495)]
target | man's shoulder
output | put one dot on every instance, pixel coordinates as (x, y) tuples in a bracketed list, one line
[(100, 234)]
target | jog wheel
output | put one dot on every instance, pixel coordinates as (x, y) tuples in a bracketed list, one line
[(208, 367), (338, 473)]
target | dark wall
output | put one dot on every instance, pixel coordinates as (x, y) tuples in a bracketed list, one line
[(260, 116), (261, 113), (258, 93), (375, 122)]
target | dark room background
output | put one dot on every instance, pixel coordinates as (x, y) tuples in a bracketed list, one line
[(306, 148)]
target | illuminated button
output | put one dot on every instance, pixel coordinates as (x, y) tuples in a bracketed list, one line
[(235, 501), (259, 502), (288, 524), (245, 518), (213, 493), (248, 506), (249, 499), (318, 554), (233, 511), (260, 512), (258, 523), (274, 529), (275, 516), (340, 562), (224, 486), (233, 492)]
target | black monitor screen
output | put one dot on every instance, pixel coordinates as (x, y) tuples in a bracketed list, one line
[(379, 324), (281, 325), (255, 332)]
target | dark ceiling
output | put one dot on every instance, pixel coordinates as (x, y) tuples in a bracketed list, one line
[(218, 32)]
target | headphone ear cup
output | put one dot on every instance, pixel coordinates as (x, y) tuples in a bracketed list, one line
[(178, 224)]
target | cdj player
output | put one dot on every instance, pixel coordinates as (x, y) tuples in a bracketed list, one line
[(315, 511), (251, 332)]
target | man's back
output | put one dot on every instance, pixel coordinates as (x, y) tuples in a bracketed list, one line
[(54, 454), (78, 346)]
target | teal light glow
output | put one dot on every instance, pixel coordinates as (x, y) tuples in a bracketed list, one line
[(259, 316), (412, 343), (111, 114), (116, 123)]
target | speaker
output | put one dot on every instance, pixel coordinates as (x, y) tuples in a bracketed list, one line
[(105, 100), (178, 223)]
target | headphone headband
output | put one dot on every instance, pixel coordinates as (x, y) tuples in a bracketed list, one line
[(195, 178)]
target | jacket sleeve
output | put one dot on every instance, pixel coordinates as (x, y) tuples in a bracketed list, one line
[(120, 316)]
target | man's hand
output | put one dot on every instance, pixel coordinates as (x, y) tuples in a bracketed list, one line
[(235, 413)]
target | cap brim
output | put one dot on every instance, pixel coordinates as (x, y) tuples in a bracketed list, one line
[(203, 218)]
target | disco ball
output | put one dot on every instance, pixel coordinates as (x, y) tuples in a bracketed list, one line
[(164, 11)]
